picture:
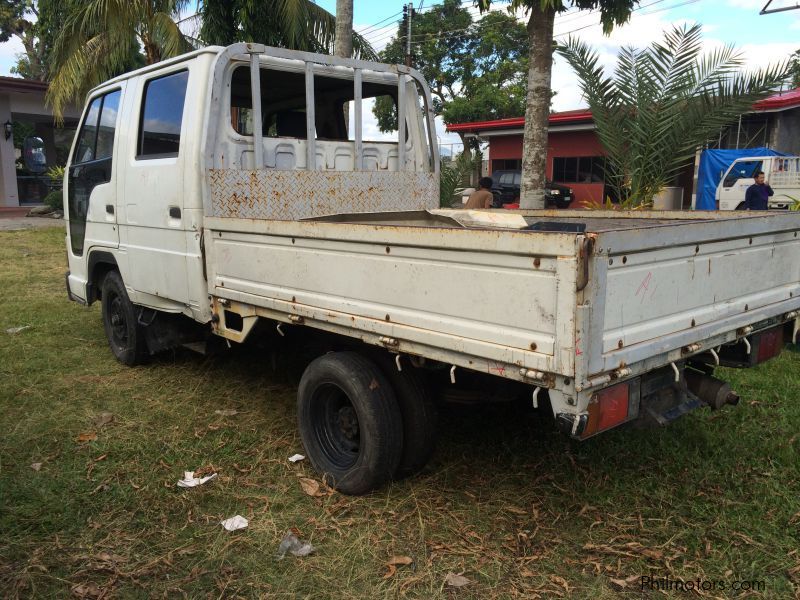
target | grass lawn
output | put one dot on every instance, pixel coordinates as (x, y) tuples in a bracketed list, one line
[(515, 507)]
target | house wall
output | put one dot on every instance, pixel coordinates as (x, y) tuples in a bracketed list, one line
[(786, 131), (559, 144)]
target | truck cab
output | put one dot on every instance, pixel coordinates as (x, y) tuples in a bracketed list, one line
[(154, 145), (782, 174)]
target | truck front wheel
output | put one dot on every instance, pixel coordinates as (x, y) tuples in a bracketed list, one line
[(124, 334), (349, 422)]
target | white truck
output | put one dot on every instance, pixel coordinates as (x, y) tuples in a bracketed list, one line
[(782, 173), (185, 225)]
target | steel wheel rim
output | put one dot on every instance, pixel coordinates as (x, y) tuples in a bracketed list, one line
[(116, 319), (335, 425)]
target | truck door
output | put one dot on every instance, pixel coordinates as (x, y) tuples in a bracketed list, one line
[(91, 186), (154, 231), (734, 184)]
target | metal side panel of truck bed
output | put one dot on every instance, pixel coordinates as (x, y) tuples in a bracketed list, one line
[(494, 300), (661, 291)]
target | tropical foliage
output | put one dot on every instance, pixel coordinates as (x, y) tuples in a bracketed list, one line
[(662, 103), (295, 24), (101, 38), (477, 73), (453, 175), (541, 17)]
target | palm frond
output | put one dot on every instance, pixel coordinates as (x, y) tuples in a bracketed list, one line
[(663, 103)]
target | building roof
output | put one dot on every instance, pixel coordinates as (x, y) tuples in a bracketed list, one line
[(568, 116), (17, 84), (778, 102)]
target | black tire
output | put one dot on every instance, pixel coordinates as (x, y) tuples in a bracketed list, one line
[(349, 422), (125, 335), (418, 411)]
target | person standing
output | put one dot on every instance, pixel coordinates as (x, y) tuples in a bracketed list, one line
[(757, 195), (482, 198)]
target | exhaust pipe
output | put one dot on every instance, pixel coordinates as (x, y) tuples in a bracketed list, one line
[(714, 392)]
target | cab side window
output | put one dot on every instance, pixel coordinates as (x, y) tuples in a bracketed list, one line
[(96, 140), (161, 116)]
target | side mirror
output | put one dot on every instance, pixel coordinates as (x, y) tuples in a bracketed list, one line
[(33, 154)]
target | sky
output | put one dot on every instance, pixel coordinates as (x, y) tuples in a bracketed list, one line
[(762, 39)]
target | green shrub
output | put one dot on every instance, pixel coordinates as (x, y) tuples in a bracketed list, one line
[(55, 200)]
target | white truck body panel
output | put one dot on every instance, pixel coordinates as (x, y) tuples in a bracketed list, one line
[(782, 173)]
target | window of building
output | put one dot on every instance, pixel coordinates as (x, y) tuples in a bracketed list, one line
[(578, 169), (162, 113)]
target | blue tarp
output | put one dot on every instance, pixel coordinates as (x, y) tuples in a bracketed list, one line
[(713, 164)]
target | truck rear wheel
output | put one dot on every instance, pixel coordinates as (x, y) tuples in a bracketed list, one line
[(418, 411), (125, 335), (349, 422)]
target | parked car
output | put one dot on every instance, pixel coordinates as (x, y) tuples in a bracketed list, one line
[(506, 185)]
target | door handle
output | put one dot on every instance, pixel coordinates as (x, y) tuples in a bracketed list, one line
[(110, 209), (174, 212)]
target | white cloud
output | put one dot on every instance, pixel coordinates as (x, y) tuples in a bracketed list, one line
[(8, 55)]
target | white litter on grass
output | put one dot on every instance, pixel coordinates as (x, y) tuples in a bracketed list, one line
[(226, 412), (36, 466), (15, 330), (190, 481), (296, 458), (234, 523), (291, 544)]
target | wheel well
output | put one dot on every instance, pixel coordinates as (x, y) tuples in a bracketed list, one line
[(100, 264)]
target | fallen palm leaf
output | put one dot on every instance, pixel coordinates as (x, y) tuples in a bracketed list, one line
[(104, 418), (454, 580), (393, 562)]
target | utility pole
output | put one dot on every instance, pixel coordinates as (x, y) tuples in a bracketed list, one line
[(408, 12)]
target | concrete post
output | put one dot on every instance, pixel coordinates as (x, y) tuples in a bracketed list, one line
[(9, 195)]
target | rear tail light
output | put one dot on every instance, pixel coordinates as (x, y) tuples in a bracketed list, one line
[(612, 406)]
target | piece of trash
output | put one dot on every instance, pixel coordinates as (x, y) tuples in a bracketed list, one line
[(234, 523), (104, 418), (226, 412), (36, 466), (15, 330), (454, 580), (89, 436), (290, 543), (190, 481), (296, 458), (393, 562)]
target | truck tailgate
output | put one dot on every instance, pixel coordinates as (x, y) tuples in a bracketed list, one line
[(662, 288)]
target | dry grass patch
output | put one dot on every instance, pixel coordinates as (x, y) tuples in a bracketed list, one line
[(508, 508)]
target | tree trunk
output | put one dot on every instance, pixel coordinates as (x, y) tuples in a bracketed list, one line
[(537, 109), (152, 54), (344, 28), (344, 42), (466, 152)]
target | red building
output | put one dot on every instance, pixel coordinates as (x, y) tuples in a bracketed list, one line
[(575, 154)]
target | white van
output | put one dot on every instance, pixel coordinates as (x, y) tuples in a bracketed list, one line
[(782, 174)]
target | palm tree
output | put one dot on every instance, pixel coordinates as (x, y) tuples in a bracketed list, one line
[(541, 18), (295, 24), (663, 103), (101, 38)]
